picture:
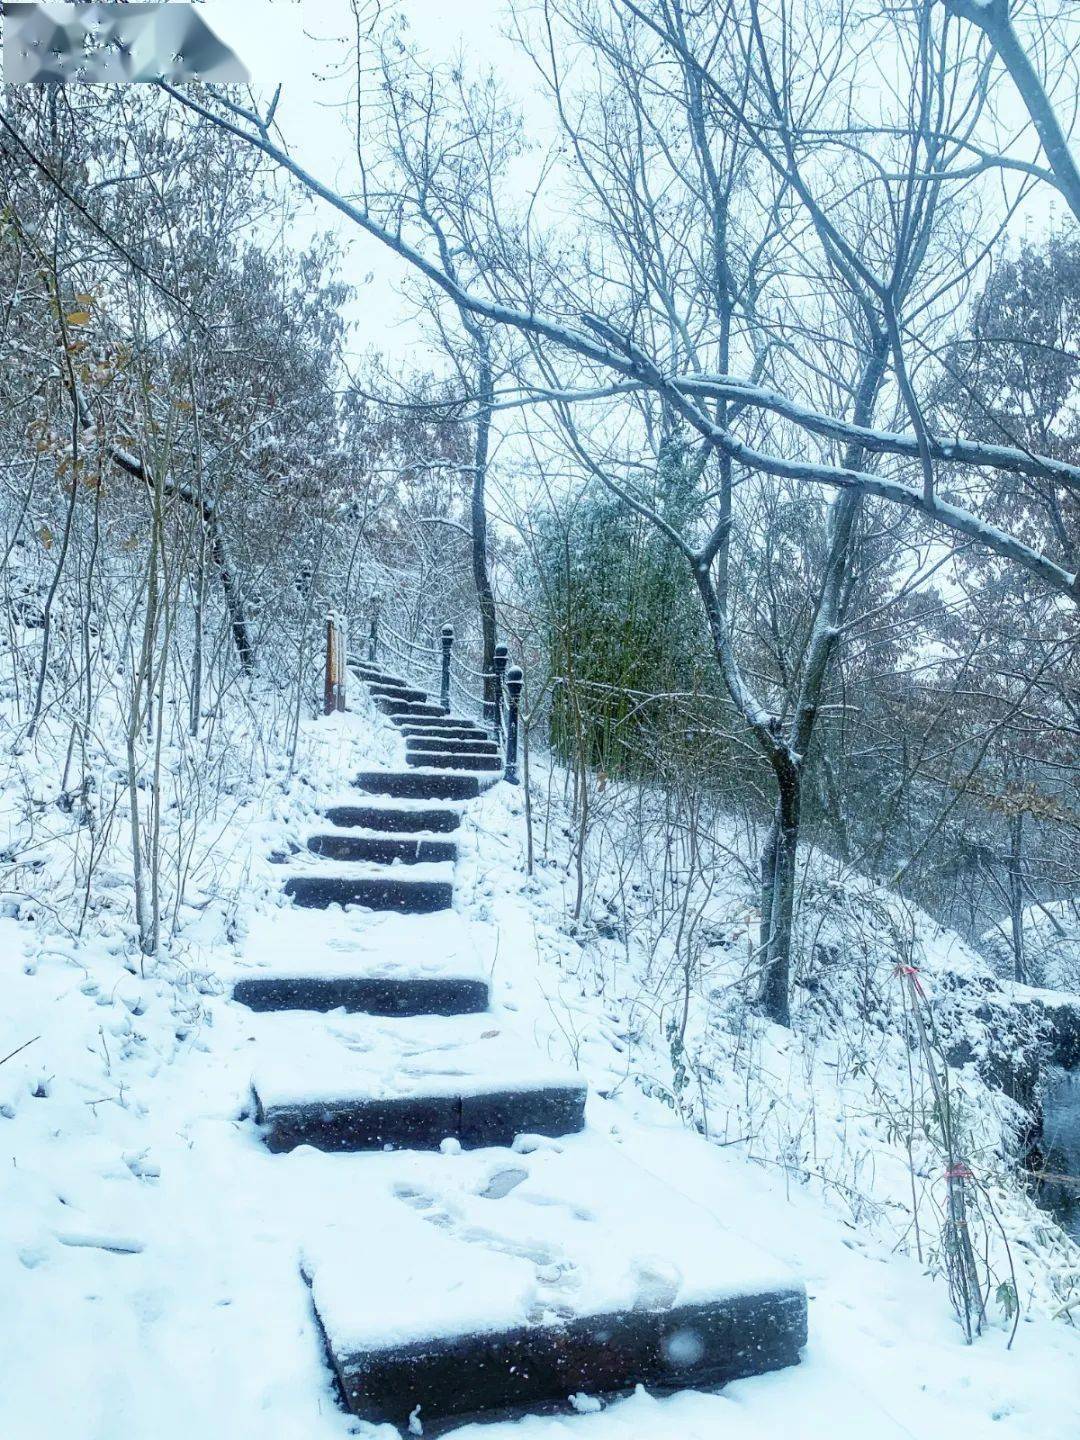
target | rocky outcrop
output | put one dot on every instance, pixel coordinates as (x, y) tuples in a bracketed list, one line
[(1010, 1032), (1060, 1017)]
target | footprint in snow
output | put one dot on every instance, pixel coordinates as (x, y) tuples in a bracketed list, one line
[(500, 1184), (656, 1282)]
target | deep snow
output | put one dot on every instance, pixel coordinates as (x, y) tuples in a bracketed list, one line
[(151, 1249)]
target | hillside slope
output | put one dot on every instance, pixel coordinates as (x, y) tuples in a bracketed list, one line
[(150, 1250)]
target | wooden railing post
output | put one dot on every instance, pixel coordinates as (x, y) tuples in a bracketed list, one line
[(447, 646), (334, 682), (502, 655), (515, 679), (329, 697), (373, 633)]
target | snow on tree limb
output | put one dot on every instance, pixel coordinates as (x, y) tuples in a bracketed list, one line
[(993, 19), (604, 346)]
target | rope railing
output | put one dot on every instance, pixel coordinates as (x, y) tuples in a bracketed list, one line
[(459, 689), (467, 699), (401, 655), (499, 709), (460, 664), (404, 640), (480, 703), (390, 642)]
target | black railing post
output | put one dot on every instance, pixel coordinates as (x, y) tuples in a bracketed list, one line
[(373, 633), (502, 655), (447, 645), (515, 678)]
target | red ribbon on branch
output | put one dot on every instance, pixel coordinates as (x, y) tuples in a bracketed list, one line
[(911, 972)]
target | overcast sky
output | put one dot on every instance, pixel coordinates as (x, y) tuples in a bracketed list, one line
[(308, 47)]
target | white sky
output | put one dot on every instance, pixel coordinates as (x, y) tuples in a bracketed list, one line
[(308, 47)]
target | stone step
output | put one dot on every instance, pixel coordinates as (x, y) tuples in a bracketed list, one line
[(410, 708), (410, 897), (397, 692), (383, 849), (445, 732), (442, 721), (368, 994), (374, 673), (343, 1085), (506, 1374), (460, 746), (422, 1122), (518, 1285), (381, 963), (418, 787), (454, 760), (385, 818)]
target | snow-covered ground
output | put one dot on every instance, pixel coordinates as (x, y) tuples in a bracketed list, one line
[(151, 1248), (1051, 944)]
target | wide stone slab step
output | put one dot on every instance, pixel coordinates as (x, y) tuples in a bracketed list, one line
[(367, 994), (461, 745), (443, 721), (383, 850), (357, 1084), (394, 819), (520, 1281), (422, 1122), (481, 1376), (396, 692), (410, 708), (418, 787), (373, 673), (454, 760), (446, 732), (410, 897), (379, 963)]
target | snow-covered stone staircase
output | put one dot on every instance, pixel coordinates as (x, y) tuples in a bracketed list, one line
[(489, 1253)]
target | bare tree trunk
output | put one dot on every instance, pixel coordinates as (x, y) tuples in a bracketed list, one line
[(776, 981), (1016, 895), (142, 683), (50, 599), (48, 612), (215, 537), (231, 592), (768, 877), (199, 593), (199, 587), (482, 579)]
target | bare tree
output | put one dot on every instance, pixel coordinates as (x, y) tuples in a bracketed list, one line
[(995, 20), (736, 212)]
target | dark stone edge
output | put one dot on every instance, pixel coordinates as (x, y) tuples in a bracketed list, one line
[(423, 1122), (434, 821), (410, 897), (536, 1369), (369, 995)]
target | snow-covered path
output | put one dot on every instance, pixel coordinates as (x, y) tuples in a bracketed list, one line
[(150, 1245)]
